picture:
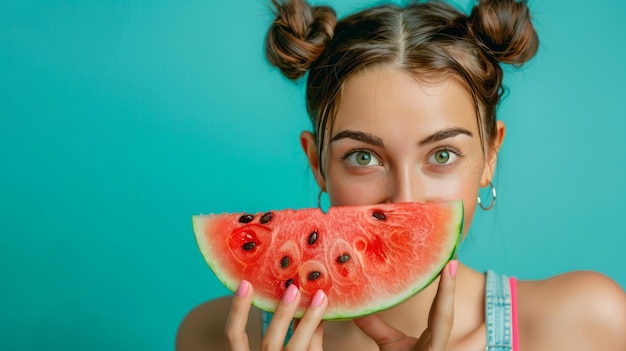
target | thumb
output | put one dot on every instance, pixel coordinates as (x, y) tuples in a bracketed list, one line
[(377, 329), (317, 342)]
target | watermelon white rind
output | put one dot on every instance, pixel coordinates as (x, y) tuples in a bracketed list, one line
[(365, 258)]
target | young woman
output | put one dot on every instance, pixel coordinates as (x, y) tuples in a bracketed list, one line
[(403, 103)]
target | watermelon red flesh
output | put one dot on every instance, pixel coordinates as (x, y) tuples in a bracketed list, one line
[(365, 258)]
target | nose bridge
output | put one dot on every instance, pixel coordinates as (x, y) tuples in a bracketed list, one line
[(408, 186)]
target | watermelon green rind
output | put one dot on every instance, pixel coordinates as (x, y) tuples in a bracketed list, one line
[(269, 303), (204, 245)]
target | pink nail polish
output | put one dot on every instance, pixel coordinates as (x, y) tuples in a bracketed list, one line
[(318, 299), (452, 266), (242, 289), (290, 294)]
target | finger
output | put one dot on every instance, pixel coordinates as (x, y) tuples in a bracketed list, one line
[(378, 330), (277, 330), (235, 329), (309, 333), (317, 341), (442, 315)]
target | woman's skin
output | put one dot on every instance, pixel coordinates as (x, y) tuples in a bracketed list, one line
[(399, 138)]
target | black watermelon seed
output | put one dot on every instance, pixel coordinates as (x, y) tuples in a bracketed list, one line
[(247, 218), (249, 246), (288, 282), (379, 215), (266, 218), (314, 275), (343, 258), (313, 238), (284, 263)]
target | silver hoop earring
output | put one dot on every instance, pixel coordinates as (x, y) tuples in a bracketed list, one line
[(493, 199), (319, 199)]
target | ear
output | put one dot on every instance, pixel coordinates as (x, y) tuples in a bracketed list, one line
[(492, 154), (307, 140)]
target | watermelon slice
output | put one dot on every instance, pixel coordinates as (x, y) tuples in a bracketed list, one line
[(365, 258)]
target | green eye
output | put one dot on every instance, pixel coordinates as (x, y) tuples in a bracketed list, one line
[(442, 156), (445, 156), (363, 158)]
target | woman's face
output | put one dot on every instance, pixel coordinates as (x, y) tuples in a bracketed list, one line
[(399, 139)]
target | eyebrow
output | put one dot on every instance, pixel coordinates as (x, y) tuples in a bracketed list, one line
[(445, 134), (376, 141), (360, 136)]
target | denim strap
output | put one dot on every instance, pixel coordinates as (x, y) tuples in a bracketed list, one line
[(498, 313)]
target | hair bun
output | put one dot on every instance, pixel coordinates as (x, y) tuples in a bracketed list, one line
[(504, 29), (298, 35)]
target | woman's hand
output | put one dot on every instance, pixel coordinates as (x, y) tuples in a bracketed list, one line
[(307, 335), (440, 320)]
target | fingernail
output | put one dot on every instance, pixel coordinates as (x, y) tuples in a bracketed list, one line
[(290, 294), (242, 289), (318, 299), (452, 266)]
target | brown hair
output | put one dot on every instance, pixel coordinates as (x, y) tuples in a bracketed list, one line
[(421, 38)]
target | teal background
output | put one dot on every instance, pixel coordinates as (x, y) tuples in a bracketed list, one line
[(121, 119)]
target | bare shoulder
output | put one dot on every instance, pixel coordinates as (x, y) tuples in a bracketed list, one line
[(577, 310), (203, 327)]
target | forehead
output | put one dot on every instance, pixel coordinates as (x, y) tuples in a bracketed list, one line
[(387, 100)]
